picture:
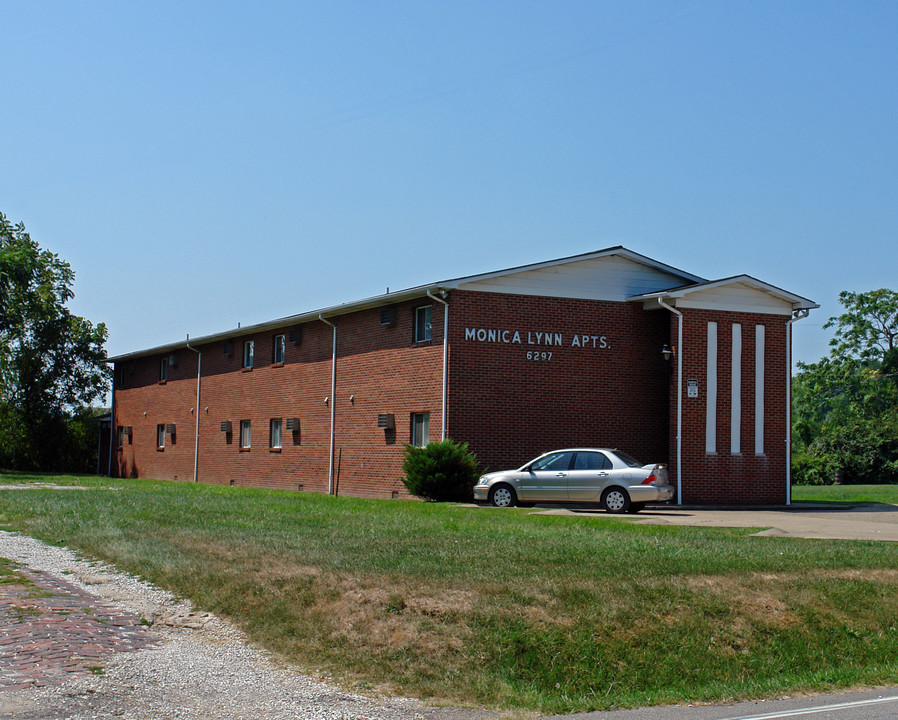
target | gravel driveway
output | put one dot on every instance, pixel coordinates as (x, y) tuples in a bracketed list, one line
[(80, 641)]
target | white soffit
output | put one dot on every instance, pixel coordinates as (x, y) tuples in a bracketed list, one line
[(614, 277)]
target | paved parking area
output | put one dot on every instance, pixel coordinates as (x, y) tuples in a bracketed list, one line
[(859, 522)]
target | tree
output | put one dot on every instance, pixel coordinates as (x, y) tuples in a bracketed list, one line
[(846, 405), (51, 361)]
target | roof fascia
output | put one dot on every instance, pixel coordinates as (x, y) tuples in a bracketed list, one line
[(798, 302)]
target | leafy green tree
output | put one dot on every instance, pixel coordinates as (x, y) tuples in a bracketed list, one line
[(51, 361), (846, 406)]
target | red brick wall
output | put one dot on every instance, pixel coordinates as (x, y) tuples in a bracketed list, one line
[(379, 370), (722, 477), (510, 409)]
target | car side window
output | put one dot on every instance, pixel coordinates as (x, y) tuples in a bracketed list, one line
[(591, 461), (555, 461)]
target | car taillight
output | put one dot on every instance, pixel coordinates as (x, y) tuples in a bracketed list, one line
[(650, 479)]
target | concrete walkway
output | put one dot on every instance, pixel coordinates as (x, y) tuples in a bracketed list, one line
[(827, 522)]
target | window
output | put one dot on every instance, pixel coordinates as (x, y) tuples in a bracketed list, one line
[(555, 462), (276, 433), (160, 436), (280, 348), (248, 348), (422, 323), (420, 429), (591, 461), (120, 436), (163, 369), (245, 433)]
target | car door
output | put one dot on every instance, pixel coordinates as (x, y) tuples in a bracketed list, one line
[(545, 479), (588, 476)]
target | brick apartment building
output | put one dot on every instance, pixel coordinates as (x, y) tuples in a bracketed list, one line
[(609, 349)]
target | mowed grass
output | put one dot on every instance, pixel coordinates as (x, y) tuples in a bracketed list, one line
[(500, 608), (846, 494)]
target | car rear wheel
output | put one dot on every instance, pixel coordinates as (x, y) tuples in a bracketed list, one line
[(615, 500), (503, 496)]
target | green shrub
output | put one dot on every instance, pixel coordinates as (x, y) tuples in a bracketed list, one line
[(441, 471)]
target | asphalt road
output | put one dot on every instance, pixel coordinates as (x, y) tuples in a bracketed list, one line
[(879, 704)]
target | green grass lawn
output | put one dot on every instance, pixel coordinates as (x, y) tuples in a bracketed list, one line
[(503, 608), (846, 494)]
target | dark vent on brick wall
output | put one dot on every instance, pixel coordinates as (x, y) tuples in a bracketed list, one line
[(226, 426), (293, 424), (170, 428), (388, 317), (386, 421)]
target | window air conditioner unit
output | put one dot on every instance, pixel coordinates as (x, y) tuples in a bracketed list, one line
[(226, 426), (295, 336), (229, 349), (293, 424), (386, 421), (126, 431), (388, 317), (170, 428)]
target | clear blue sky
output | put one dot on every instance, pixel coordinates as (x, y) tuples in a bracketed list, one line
[(202, 164)]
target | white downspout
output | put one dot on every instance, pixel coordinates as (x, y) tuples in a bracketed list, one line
[(679, 397), (196, 432), (333, 402), (796, 315), (112, 434), (445, 358)]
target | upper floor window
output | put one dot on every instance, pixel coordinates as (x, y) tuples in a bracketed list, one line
[(248, 349), (280, 348), (423, 323), (163, 369)]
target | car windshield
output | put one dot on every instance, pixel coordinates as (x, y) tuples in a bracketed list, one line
[(628, 460)]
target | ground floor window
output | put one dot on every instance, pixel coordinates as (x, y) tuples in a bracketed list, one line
[(420, 429), (160, 436), (245, 433), (276, 433)]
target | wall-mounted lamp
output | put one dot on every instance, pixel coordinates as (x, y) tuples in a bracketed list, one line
[(352, 399), (327, 400), (666, 352)]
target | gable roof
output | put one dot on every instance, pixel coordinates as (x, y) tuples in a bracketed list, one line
[(490, 282), (681, 295)]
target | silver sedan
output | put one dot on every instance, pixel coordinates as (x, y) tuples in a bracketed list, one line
[(583, 475)]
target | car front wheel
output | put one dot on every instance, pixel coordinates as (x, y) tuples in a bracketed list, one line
[(503, 496), (616, 500)]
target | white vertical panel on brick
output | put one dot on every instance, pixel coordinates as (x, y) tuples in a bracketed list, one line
[(736, 392), (759, 389), (711, 407)]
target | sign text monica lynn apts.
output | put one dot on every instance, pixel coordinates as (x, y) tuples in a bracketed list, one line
[(535, 337)]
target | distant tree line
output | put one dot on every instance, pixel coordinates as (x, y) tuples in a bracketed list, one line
[(845, 407), (52, 363)]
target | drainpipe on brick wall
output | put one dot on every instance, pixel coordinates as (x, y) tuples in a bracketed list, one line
[(112, 447), (445, 355), (796, 315), (333, 402), (196, 432), (679, 397)]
